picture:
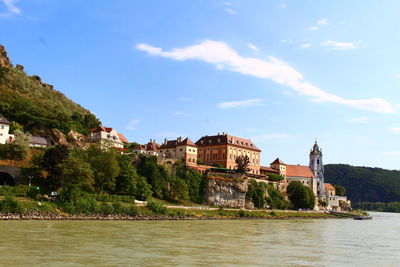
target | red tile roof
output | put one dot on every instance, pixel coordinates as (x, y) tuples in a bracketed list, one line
[(268, 169), (150, 146), (225, 139), (174, 143), (122, 138), (328, 186), (278, 161), (187, 142), (298, 171)]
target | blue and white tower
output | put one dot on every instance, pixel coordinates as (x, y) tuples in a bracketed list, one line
[(317, 168)]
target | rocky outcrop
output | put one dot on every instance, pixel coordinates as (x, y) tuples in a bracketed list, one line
[(77, 140), (58, 137), (226, 190), (4, 60)]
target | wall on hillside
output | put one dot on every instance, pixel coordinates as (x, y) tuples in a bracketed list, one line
[(226, 192)]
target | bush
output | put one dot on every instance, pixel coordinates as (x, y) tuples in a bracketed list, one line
[(106, 209), (156, 207), (19, 190), (32, 192), (10, 205)]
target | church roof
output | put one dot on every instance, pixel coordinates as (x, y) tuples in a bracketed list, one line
[(316, 150), (328, 186), (278, 161), (299, 171)]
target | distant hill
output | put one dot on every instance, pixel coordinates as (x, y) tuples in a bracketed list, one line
[(37, 105), (365, 184)]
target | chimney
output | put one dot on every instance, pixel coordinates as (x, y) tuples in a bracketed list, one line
[(179, 139), (165, 140)]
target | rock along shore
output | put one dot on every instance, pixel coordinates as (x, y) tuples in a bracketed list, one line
[(115, 217)]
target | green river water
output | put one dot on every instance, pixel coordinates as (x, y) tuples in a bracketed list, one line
[(202, 243)]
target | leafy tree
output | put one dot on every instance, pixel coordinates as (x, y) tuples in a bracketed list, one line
[(105, 167), (275, 199), (340, 190), (20, 146), (256, 193), (242, 164), (15, 126), (195, 181), (274, 177), (77, 172), (301, 196), (179, 190), (51, 164)]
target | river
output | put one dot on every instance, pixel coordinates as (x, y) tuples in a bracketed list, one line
[(319, 242)]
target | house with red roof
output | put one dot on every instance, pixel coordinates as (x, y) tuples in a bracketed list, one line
[(223, 149), (149, 149), (107, 136), (183, 149)]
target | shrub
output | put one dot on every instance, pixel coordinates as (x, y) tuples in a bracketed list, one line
[(10, 205), (156, 207), (106, 209), (117, 208)]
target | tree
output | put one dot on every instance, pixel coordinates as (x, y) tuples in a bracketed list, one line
[(51, 164), (20, 146), (256, 193), (179, 190), (274, 177), (242, 164), (301, 196), (275, 199), (105, 167), (194, 180), (340, 190), (77, 172), (15, 126)]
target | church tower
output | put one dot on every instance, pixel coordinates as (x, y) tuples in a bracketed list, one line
[(317, 167)]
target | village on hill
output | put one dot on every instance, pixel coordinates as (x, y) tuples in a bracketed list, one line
[(218, 156)]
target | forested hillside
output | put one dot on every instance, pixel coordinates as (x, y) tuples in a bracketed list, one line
[(365, 184), (36, 105)]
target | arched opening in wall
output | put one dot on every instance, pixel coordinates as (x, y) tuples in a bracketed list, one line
[(6, 179)]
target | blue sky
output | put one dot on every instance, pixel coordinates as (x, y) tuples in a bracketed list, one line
[(279, 72)]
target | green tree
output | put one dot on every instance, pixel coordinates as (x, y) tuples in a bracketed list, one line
[(274, 177), (301, 196), (275, 199), (105, 167), (340, 190), (51, 164), (179, 190), (195, 181), (256, 193), (242, 164), (15, 126), (21, 144)]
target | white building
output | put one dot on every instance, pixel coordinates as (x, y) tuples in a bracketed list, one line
[(150, 149), (5, 137), (108, 136)]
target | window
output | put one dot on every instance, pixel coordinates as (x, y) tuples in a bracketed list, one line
[(181, 149), (317, 161)]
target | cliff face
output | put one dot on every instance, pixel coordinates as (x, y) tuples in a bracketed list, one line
[(226, 192), (4, 60)]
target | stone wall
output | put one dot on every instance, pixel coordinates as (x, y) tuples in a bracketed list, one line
[(226, 191)]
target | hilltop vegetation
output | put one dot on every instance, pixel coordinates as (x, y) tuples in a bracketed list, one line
[(36, 105), (365, 184)]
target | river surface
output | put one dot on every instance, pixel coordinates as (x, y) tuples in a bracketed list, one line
[(314, 242)]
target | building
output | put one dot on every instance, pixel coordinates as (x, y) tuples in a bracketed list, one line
[(150, 149), (184, 150), (223, 149), (107, 137), (5, 137), (37, 141), (317, 168)]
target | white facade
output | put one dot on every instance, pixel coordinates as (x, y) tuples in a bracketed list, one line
[(4, 133), (317, 168), (107, 138)]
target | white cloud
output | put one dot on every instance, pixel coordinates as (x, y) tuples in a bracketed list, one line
[(253, 47), (395, 129), (132, 124), (305, 45), (283, 5), (323, 21), (313, 28), (12, 9), (241, 104), (230, 11), (359, 120), (220, 54), (273, 136), (392, 153), (228, 3), (396, 75), (335, 45)]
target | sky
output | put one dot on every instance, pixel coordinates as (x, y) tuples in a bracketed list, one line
[(281, 73)]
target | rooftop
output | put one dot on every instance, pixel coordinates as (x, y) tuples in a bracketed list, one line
[(299, 171), (226, 139)]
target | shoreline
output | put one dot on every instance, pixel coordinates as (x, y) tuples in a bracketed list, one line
[(120, 217)]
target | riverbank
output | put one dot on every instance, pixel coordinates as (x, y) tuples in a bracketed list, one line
[(171, 215)]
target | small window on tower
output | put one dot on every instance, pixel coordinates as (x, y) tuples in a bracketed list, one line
[(317, 161)]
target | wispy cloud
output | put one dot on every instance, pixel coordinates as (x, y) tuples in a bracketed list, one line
[(392, 153), (132, 124), (241, 104), (253, 47), (335, 45), (313, 28), (221, 55), (230, 11), (307, 45), (396, 75), (394, 129), (283, 5), (323, 21), (12, 9), (359, 120), (272, 136)]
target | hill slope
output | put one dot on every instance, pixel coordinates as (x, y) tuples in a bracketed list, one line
[(36, 105), (364, 184)]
